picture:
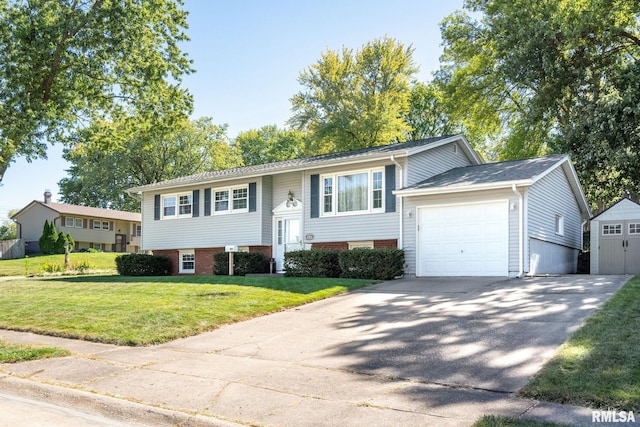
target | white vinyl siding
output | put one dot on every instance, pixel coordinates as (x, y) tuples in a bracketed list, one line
[(205, 231)]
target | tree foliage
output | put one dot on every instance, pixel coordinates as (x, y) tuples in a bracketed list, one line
[(356, 99), (518, 73), (270, 144), (64, 63), (49, 239), (428, 115), (100, 173)]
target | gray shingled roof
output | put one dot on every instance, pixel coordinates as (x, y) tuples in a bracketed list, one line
[(490, 173), (65, 209), (303, 163)]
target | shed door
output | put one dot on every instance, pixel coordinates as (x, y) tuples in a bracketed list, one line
[(464, 240), (619, 247)]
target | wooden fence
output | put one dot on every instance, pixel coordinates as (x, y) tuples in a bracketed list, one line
[(11, 249)]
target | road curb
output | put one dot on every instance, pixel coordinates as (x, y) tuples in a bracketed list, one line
[(106, 406)]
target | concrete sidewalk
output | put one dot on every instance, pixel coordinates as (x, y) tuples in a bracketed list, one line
[(408, 352)]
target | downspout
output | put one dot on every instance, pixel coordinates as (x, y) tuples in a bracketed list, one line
[(582, 235), (520, 232), (401, 225)]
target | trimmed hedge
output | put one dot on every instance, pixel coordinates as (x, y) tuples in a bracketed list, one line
[(374, 264), (142, 265), (311, 263), (243, 263)]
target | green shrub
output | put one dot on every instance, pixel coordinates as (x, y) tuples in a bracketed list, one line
[(82, 266), (49, 238), (373, 264), (313, 263), (52, 267), (243, 263), (142, 265)]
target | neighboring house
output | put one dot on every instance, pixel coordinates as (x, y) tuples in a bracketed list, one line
[(434, 198), (615, 239), (102, 229)]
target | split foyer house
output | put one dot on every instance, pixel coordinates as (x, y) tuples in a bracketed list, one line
[(436, 199), (102, 229)]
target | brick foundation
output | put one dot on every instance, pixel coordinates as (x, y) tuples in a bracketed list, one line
[(343, 246), (204, 258)]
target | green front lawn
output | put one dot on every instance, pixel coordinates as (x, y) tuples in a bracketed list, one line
[(11, 353), (36, 264), (142, 311), (599, 366)]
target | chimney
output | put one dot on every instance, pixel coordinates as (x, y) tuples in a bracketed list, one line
[(47, 196)]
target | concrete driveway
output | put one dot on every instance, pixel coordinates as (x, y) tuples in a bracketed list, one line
[(407, 352)]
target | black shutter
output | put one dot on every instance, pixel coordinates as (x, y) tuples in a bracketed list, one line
[(252, 196), (389, 185), (156, 207), (195, 209), (314, 203), (207, 202)]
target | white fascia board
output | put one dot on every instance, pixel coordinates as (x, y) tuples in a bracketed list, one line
[(462, 188)]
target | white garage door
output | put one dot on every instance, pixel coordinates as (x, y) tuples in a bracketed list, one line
[(464, 240)]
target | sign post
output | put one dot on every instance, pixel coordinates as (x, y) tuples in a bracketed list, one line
[(231, 249)]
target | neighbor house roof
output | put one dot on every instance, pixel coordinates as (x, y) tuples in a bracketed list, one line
[(498, 175), (354, 156), (86, 211)]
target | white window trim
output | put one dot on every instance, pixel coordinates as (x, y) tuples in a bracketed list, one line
[(76, 221), (609, 228), (177, 213), (636, 228), (73, 222), (180, 255), (366, 244), (560, 225), (334, 197), (230, 209)]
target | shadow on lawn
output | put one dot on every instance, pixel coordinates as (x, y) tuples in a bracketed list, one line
[(492, 338), (301, 285)]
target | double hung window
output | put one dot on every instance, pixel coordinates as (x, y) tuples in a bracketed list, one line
[(358, 192), (230, 200), (187, 261), (177, 205)]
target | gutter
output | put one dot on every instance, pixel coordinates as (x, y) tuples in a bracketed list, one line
[(401, 207), (520, 231)]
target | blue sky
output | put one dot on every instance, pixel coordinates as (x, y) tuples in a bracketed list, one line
[(248, 55)]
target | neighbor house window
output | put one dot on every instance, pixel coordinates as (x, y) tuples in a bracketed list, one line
[(71, 222), (611, 229), (231, 200), (100, 225), (138, 230), (634, 228), (177, 205), (560, 225), (187, 261), (354, 192)]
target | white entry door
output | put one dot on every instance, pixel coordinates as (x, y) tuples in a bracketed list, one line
[(288, 238), (464, 240)]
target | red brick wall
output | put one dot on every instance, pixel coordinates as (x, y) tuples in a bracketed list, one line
[(385, 244), (173, 260), (342, 246), (204, 258)]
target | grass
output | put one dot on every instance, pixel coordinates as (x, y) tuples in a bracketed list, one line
[(11, 353), (499, 421), (144, 311), (37, 264), (599, 366)]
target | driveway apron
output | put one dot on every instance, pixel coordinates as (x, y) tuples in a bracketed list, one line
[(437, 351)]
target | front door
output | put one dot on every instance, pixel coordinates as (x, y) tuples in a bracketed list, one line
[(619, 247), (121, 243), (288, 238)]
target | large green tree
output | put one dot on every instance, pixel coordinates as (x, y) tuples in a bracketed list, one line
[(270, 144), (358, 99), (100, 171), (517, 73), (64, 63)]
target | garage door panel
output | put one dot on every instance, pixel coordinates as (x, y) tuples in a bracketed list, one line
[(463, 240)]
